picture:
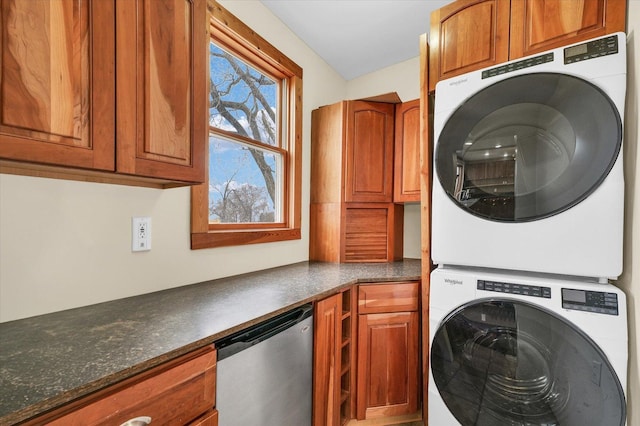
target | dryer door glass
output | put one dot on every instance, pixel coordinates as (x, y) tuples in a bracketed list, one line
[(528, 147), (506, 363)]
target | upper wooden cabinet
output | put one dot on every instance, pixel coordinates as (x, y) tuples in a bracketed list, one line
[(369, 151), (105, 86), (161, 52), (406, 171), (352, 152), (537, 25), (467, 35), (58, 82)]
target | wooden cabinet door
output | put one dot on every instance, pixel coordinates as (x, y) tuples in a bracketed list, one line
[(467, 35), (539, 25), (388, 367), (326, 362), (161, 49), (210, 419), (57, 82), (369, 156), (372, 232), (406, 182)]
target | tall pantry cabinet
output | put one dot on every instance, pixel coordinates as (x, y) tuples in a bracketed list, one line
[(104, 90), (353, 217)]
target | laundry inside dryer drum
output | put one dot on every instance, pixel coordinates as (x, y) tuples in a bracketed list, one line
[(528, 147), (506, 363)]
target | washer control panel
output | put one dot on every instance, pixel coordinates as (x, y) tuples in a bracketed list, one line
[(511, 288), (590, 301), (518, 65)]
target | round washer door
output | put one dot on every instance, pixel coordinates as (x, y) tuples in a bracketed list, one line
[(507, 363), (528, 147)]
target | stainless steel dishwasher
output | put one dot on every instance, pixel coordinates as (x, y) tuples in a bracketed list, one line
[(264, 373)]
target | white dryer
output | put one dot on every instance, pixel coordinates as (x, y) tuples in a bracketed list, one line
[(528, 163), (510, 350)]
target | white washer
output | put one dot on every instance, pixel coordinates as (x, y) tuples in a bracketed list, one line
[(509, 349), (528, 163)]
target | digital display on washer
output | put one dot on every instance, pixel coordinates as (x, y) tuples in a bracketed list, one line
[(511, 288), (591, 49), (590, 301)]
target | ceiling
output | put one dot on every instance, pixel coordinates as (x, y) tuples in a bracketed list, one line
[(356, 37)]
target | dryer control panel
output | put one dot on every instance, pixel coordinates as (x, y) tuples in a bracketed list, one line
[(590, 301), (591, 49)]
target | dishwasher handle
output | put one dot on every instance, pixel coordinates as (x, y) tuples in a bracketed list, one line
[(253, 335)]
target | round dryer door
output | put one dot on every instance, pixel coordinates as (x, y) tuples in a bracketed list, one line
[(528, 147), (507, 363)]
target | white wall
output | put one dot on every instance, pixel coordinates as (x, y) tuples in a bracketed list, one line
[(630, 279), (65, 244)]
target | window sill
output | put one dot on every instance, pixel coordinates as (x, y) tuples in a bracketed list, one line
[(212, 239)]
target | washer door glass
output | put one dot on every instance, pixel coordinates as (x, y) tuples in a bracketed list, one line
[(528, 147), (504, 363)]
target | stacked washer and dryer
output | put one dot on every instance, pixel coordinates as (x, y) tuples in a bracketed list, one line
[(528, 198)]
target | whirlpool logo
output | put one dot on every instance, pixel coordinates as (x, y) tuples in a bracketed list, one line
[(452, 281), (458, 82)]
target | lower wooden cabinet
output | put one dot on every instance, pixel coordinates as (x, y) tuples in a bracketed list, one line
[(209, 419), (334, 353), (180, 392), (366, 353), (388, 357)]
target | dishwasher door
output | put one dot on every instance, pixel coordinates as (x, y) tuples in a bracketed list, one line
[(264, 373)]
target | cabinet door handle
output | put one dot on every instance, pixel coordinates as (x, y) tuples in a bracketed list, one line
[(138, 421)]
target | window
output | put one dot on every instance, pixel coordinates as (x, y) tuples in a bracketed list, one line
[(253, 188)]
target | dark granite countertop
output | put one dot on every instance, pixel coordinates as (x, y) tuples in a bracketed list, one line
[(49, 360)]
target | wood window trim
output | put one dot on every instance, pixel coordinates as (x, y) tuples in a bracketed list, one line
[(232, 30)]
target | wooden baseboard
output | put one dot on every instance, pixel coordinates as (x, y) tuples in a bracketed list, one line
[(414, 419)]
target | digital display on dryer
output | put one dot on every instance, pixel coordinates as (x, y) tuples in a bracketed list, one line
[(580, 49), (592, 49), (590, 301), (578, 296)]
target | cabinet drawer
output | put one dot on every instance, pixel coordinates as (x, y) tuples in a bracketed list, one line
[(177, 393), (209, 419), (388, 297)]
